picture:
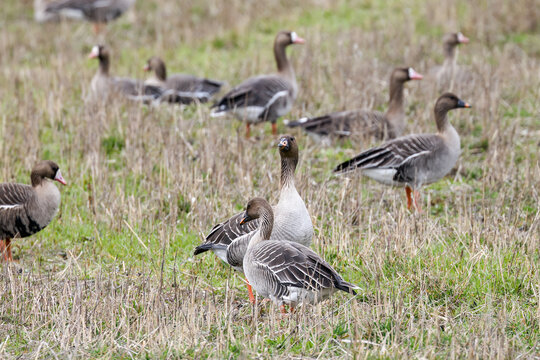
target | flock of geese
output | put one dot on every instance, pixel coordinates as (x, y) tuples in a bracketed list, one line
[(268, 244)]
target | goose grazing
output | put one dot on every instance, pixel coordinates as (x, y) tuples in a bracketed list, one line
[(264, 97), (103, 85), (449, 70), (180, 88), (96, 11), (292, 221), (24, 209), (365, 123), (286, 272), (413, 160)]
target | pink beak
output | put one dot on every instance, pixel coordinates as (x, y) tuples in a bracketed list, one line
[(59, 178), (146, 67), (299, 40), (462, 39), (413, 75)]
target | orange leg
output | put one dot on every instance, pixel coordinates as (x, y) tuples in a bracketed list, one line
[(5, 249), (97, 28), (408, 190), (250, 291), (282, 309), (417, 202), (247, 130), (274, 129)]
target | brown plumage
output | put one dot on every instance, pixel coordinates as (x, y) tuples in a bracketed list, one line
[(24, 209)]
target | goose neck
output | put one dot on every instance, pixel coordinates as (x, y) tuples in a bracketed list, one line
[(288, 167)]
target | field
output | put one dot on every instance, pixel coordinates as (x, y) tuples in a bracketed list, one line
[(113, 275)]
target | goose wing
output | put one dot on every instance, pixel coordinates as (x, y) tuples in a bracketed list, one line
[(12, 195)]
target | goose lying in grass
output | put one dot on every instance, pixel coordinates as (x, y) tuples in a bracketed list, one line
[(413, 160), (265, 97), (292, 221), (24, 209)]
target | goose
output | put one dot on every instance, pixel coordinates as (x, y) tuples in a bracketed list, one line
[(413, 160), (265, 97), (96, 11), (364, 122), (292, 218), (180, 88), (286, 272), (24, 209), (449, 70), (103, 84)]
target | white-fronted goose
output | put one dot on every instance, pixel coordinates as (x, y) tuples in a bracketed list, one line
[(24, 209), (264, 97), (96, 11), (413, 160), (180, 88), (362, 122), (292, 220), (103, 85), (286, 272), (449, 70)]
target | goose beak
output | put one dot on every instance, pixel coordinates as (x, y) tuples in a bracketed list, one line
[(295, 39), (94, 53), (462, 39), (463, 104), (283, 144), (59, 178), (246, 218), (146, 67), (413, 75)]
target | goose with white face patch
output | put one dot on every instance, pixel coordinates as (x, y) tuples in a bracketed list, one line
[(180, 88), (103, 86), (264, 97), (229, 240), (286, 272), (413, 160), (24, 209), (363, 123)]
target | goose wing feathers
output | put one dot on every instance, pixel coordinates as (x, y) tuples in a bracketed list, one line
[(403, 153), (293, 265), (14, 195), (95, 10), (261, 91)]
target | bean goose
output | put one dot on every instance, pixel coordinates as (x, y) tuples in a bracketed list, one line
[(264, 97), (24, 209), (365, 123), (413, 160), (96, 11), (292, 218), (103, 85), (286, 272), (180, 88), (449, 71)]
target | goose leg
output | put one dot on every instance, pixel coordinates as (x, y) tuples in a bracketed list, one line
[(274, 129), (5, 249), (417, 201), (408, 190), (282, 309), (247, 130), (97, 28), (250, 291)]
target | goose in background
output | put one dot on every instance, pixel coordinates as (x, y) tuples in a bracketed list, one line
[(180, 88), (103, 85), (24, 209), (286, 272), (292, 220), (98, 12), (413, 160), (449, 72), (265, 97), (363, 123)]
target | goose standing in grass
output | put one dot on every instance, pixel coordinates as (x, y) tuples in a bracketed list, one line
[(365, 123), (292, 220), (264, 97), (24, 209), (286, 272), (103, 85), (413, 160), (180, 88), (96, 11), (448, 73)]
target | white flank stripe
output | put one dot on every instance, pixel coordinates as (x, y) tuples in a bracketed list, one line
[(276, 96), (9, 206), (415, 155)]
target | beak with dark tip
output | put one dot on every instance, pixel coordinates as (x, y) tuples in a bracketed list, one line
[(462, 39), (413, 75), (246, 218), (283, 144), (463, 104), (58, 177)]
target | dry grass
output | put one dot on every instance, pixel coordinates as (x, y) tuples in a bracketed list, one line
[(113, 277)]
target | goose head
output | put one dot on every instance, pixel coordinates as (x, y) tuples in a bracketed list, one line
[(156, 65), (46, 169), (286, 38), (99, 52), (450, 41), (256, 208), (449, 101)]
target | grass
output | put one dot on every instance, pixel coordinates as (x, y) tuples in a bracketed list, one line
[(113, 275)]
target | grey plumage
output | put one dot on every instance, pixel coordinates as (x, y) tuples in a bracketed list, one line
[(98, 11)]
